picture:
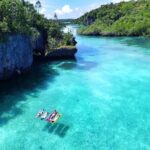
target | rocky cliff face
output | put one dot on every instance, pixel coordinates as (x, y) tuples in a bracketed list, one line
[(16, 56), (89, 20), (64, 52), (38, 45)]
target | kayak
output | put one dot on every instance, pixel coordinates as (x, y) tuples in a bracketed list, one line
[(55, 119), (40, 113), (44, 115), (52, 116)]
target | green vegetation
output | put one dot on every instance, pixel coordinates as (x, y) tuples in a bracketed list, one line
[(122, 19), (21, 17)]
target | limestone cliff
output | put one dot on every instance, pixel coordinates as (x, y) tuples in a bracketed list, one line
[(63, 52), (16, 53), (39, 45), (15, 56)]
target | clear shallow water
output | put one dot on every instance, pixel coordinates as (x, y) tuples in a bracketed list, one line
[(103, 95)]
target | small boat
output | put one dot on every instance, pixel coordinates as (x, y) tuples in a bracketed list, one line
[(40, 113), (54, 120), (53, 117), (44, 115)]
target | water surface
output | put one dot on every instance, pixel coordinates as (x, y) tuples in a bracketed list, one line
[(103, 95)]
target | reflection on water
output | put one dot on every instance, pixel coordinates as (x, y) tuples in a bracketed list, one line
[(129, 41), (137, 41)]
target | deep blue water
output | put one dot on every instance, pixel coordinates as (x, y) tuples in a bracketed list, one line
[(103, 96)]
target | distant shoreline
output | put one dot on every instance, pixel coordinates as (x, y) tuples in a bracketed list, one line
[(130, 18)]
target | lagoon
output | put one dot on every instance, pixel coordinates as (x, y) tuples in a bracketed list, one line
[(103, 96)]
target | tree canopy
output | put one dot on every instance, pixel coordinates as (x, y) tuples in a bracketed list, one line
[(121, 19), (21, 17)]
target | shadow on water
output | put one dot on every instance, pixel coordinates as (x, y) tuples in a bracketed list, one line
[(59, 129), (80, 64), (16, 90)]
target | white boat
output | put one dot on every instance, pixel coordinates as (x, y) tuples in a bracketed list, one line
[(53, 117), (54, 120), (44, 115), (40, 113)]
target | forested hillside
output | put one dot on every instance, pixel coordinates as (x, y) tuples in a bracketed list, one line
[(25, 33), (22, 17), (122, 19)]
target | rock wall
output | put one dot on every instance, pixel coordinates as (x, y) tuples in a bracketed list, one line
[(39, 44), (62, 53), (16, 56)]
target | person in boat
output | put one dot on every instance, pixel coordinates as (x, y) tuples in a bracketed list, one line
[(52, 115), (40, 113), (44, 115), (55, 119)]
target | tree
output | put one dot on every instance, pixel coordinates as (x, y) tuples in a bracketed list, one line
[(16, 18), (55, 16), (23, 2), (122, 19), (38, 5)]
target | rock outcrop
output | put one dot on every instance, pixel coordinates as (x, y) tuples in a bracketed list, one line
[(39, 45), (89, 20), (16, 56), (64, 52)]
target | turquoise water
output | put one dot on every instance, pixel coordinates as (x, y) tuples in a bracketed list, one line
[(103, 95)]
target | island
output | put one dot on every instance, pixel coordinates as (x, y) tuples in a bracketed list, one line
[(130, 18)]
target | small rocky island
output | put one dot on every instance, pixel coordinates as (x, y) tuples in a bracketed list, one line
[(29, 34), (62, 52)]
